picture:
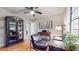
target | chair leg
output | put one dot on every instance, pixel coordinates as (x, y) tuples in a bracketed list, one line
[(30, 45), (47, 48)]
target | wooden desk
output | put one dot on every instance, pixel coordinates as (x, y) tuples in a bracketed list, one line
[(44, 33)]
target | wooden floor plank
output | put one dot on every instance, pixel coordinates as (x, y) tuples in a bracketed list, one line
[(21, 46)]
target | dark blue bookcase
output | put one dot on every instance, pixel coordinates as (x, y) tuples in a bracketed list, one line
[(14, 30)]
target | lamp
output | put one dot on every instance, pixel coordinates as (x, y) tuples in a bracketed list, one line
[(58, 28)]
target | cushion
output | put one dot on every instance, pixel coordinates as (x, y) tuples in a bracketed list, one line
[(36, 38), (41, 42)]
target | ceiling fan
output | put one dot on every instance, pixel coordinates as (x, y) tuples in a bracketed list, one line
[(32, 10)]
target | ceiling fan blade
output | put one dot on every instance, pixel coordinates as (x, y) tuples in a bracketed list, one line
[(29, 8), (26, 12), (36, 7), (38, 12)]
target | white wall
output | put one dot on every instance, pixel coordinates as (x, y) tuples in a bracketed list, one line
[(67, 20), (33, 28), (56, 20), (2, 32)]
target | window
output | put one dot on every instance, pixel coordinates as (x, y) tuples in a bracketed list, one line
[(75, 26), (75, 20)]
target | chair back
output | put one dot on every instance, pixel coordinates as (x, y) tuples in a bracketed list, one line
[(32, 39)]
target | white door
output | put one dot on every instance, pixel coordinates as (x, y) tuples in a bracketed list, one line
[(33, 28)]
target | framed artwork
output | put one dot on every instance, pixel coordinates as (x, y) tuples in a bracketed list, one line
[(45, 25)]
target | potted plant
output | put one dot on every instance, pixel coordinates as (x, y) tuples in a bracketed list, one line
[(71, 41)]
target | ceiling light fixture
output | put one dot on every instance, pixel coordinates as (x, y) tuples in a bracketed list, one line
[(32, 12)]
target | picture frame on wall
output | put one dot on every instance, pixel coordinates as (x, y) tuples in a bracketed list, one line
[(45, 25)]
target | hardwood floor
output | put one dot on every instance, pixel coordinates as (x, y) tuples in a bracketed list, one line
[(22, 46)]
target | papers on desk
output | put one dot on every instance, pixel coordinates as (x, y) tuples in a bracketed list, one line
[(57, 38)]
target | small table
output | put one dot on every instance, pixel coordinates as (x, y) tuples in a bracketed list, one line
[(55, 43)]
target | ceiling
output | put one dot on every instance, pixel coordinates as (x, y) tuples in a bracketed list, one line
[(51, 10), (47, 11)]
